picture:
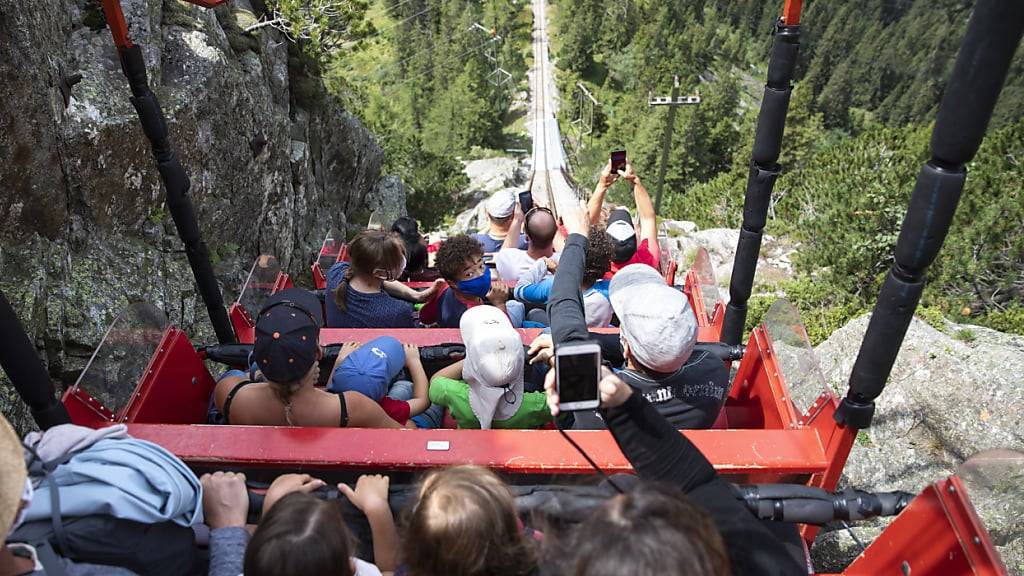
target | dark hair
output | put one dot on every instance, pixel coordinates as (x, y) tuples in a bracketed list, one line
[(454, 254), (407, 228), (599, 255), (300, 535), (541, 236), (654, 529), (368, 252), (465, 524)]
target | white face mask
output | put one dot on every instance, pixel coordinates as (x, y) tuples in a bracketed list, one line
[(26, 500)]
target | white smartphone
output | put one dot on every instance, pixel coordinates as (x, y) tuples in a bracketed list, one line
[(577, 372)]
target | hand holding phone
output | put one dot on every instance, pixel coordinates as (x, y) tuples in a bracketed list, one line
[(577, 373), (526, 201), (618, 161)]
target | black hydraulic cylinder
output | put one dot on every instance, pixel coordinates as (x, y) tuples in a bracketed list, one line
[(764, 170), (177, 184), (993, 34), (23, 366)]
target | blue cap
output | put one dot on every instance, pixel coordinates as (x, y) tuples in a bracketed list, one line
[(370, 369)]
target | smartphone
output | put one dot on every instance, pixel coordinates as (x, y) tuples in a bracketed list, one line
[(526, 201), (618, 161), (577, 372)]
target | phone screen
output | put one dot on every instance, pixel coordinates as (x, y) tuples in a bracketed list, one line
[(577, 377), (526, 201), (618, 160)]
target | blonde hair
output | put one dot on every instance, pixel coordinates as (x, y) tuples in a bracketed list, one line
[(465, 524)]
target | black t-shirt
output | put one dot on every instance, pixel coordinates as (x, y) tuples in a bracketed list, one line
[(691, 397)]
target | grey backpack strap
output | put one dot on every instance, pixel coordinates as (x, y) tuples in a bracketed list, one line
[(48, 558)]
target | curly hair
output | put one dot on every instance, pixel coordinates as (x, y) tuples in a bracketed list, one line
[(454, 254), (599, 255)]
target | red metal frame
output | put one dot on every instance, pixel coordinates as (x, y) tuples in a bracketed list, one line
[(791, 12), (939, 533)]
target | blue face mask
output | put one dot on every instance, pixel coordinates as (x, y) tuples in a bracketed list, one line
[(478, 286)]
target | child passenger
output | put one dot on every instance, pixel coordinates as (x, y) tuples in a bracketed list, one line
[(356, 297), (465, 522), (460, 261), (372, 369), (486, 389)]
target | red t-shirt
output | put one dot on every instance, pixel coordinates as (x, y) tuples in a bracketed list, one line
[(397, 409), (643, 255)]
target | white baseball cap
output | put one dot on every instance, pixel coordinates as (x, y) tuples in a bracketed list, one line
[(655, 319), (501, 204), (494, 364)]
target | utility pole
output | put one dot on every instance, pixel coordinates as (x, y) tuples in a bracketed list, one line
[(666, 144)]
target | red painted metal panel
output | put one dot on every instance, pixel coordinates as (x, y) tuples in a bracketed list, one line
[(938, 534), (759, 386), (791, 12), (245, 328), (519, 451), (176, 388)]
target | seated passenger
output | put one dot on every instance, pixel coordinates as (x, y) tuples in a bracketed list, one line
[(288, 353), (500, 208), (681, 507), (16, 495), (486, 389), (298, 533), (356, 297), (372, 369), (658, 331), (460, 261), (541, 230), (465, 522), (628, 248), (408, 230), (534, 286)]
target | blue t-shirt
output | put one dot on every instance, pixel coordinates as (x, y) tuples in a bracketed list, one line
[(379, 310), (493, 244)]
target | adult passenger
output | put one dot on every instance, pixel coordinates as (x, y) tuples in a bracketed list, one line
[(541, 230), (673, 517), (298, 534), (358, 290), (534, 287), (500, 207), (630, 247), (16, 494), (468, 283), (658, 331), (287, 353), (486, 389)]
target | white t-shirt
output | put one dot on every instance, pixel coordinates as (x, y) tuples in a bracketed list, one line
[(512, 263)]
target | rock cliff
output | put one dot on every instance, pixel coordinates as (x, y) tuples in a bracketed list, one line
[(274, 163)]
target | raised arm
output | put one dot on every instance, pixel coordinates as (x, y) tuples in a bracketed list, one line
[(420, 384), (371, 496), (597, 198), (515, 230), (645, 211), (565, 303)]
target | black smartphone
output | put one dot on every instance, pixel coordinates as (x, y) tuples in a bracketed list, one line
[(618, 161), (526, 201), (577, 372)]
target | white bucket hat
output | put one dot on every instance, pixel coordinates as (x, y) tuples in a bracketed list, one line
[(494, 364), (501, 204), (655, 319)]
